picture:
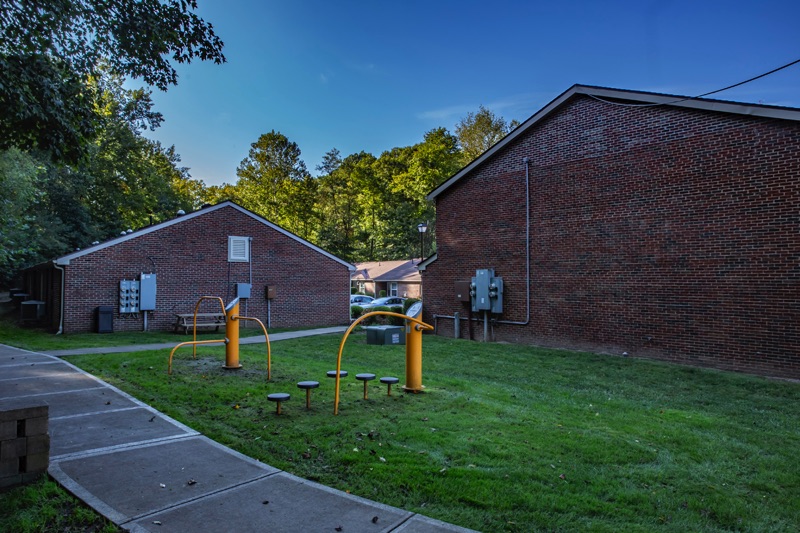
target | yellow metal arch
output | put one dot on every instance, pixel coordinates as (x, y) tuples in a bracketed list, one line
[(418, 324), (231, 345)]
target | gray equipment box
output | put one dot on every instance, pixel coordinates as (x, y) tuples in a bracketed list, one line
[(386, 335), (147, 292)]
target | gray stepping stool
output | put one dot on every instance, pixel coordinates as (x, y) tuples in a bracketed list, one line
[(388, 380), (278, 397), (307, 386), (332, 373), (365, 378)]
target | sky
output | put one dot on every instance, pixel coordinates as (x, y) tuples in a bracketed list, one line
[(374, 75)]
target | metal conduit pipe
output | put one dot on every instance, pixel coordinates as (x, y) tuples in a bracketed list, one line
[(527, 320), (63, 283), (525, 161)]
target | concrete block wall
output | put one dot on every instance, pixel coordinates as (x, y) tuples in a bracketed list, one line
[(24, 441), (662, 232)]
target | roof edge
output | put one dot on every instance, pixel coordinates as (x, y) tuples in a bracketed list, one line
[(66, 259), (643, 97)]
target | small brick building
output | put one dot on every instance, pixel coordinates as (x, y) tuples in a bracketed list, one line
[(628, 222), (221, 250), (396, 278)]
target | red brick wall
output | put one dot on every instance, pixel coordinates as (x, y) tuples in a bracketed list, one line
[(661, 232), (190, 260)]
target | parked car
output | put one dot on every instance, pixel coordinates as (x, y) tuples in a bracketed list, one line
[(360, 299), (385, 301)]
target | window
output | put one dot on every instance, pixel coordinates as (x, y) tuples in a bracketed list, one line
[(238, 249), (392, 288)]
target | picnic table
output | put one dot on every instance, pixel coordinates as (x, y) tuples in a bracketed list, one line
[(204, 320)]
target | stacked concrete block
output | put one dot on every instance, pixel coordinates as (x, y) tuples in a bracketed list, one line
[(24, 441)]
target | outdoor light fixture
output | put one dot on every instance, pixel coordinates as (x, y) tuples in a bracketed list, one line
[(422, 227)]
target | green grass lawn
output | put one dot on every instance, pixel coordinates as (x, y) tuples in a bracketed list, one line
[(33, 338), (505, 437), (45, 507)]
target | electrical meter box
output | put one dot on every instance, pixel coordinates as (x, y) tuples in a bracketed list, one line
[(147, 292), (486, 291), (128, 296), (269, 292), (462, 291), (496, 294), (479, 290), (243, 290)]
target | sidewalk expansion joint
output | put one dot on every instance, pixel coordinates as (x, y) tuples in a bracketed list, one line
[(79, 415), (128, 445), (199, 497)]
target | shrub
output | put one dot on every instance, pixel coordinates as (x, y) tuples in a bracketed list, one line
[(356, 311), (408, 303), (382, 294), (353, 290)]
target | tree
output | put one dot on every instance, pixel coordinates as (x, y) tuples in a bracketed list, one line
[(268, 178), (477, 132), (48, 49), (18, 174)]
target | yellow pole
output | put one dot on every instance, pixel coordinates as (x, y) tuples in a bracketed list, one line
[(418, 323), (413, 358), (232, 336)]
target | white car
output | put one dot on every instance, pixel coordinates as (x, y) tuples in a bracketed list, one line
[(388, 301)]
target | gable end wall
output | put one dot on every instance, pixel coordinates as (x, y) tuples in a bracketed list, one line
[(190, 260), (661, 232)]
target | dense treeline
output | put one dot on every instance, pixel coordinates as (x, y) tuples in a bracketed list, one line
[(75, 167), (360, 207)]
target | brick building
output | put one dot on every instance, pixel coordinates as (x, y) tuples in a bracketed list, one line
[(221, 250), (628, 222), (395, 278)]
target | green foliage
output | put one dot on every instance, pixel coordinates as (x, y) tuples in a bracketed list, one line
[(382, 293), (274, 182), (18, 181), (123, 181), (505, 437), (477, 132), (408, 302), (44, 506), (50, 50), (356, 311)]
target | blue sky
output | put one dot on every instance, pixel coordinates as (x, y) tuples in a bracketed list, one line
[(374, 75)]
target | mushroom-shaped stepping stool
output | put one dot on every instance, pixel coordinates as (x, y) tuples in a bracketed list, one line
[(342, 374), (365, 378), (389, 381), (278, 397), (307, 386)]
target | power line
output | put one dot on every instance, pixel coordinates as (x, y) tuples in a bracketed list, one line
[(754, 78)]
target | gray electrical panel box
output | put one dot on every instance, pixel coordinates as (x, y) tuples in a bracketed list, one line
[(486, 291), (128, 296), (479, 290), (147, 292), (243, 290)]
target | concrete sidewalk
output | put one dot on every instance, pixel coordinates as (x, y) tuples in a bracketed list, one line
[(183, 338), (148, 472)]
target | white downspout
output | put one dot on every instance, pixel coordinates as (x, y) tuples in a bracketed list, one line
[(63, 283)]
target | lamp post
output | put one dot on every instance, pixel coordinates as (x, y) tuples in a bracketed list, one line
[(422, 227)]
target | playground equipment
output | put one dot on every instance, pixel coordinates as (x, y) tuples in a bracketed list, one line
[(278, 397), (365, 378), (389, 381), (414, 328), (307, 386), (231, 339)]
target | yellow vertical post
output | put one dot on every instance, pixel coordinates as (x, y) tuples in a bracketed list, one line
[(232, 335), (413, 357)]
